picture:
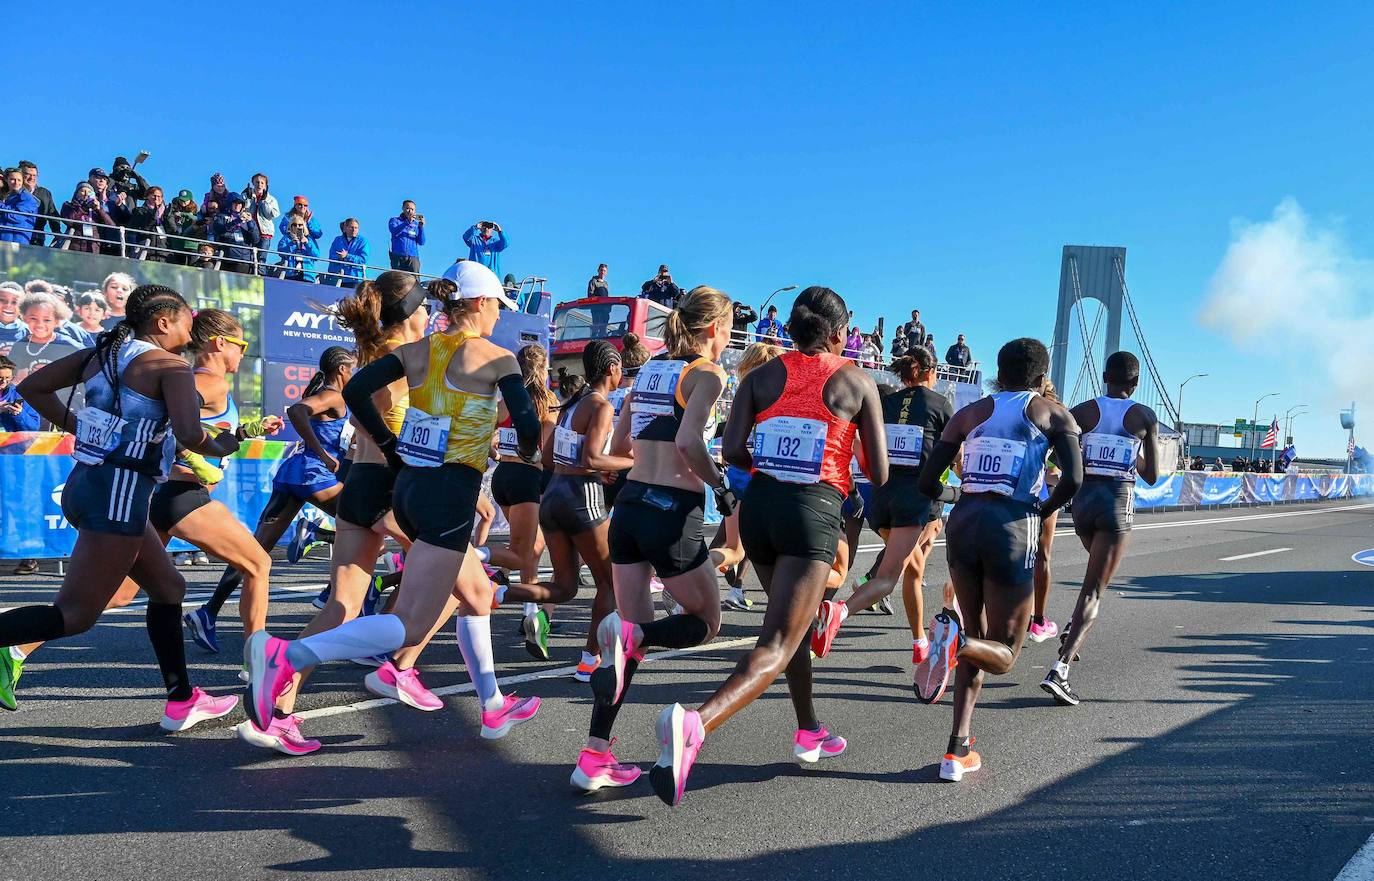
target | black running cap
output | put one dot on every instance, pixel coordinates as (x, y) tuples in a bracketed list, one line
[(399, 310)]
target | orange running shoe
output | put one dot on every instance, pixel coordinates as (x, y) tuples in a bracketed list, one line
[(953, 768)]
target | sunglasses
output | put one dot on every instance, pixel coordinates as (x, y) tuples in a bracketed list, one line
[(242, 344)]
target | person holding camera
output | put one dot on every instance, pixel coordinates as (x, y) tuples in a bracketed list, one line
[(347, 255), (407, 236), (80, 215), (125, 179), (300, 207), (155, 218), (661, 288), (485, 242), (297, 252), (183, 213), (262, 205), (236, 230)]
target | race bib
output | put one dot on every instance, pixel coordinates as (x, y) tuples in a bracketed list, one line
[(506, 443), (567, 447), (790, 449), (1109, 455), (424, 439), (904, 444), (655, 387), (97, 435), (993, 464)]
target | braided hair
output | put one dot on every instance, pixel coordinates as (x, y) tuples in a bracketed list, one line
[(144, 305), (597, 360), (334, 359)]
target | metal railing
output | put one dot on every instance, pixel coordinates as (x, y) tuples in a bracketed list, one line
[(740, 339), (134, 244)]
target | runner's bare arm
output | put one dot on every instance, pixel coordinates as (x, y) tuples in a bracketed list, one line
[(706, 389), (40, 388), (872, 432), (740, 424), (1148, 466), (1059, 426)]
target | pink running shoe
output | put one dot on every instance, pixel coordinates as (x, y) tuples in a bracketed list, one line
[(269, 675), (932, 675), (598, 770), (199, 707), (920, 651), (617, 639), (283, 735), (404, 686), (812, 746), (680, 735), (393, 562), (498, 723), (831, 616), (1042, 632)]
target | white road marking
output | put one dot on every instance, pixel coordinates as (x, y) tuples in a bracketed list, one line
[(1361, 865), (555, 673), (1255, 554)]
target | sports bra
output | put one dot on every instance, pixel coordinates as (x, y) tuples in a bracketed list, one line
[(658, 405), (444, 425), (1109, 450), (395, 416), (226, 420), (797, 439), (1005, 454)]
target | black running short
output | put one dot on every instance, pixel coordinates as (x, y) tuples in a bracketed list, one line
[(108, 499), (898, 503), (173, 500), (342, 474), (515, 483), (572, 504), (1103, 505), (993, 538), (661, 526), (438, 505), (366, 494), (778, 519)]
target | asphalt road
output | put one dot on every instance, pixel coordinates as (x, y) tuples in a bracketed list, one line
[(1227, 732)]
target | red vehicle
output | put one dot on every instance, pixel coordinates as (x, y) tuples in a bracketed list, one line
[(578, 322)]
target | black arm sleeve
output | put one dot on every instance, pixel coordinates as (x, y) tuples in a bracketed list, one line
[(1069, 458), (940, 458), (522, 415), (358, 395)]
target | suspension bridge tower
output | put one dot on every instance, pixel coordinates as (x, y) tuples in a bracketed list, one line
[(1087, 272)]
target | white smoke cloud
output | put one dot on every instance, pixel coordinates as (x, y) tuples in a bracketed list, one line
[(1292, 287)]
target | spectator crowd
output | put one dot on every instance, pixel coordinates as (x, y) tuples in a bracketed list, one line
[(120, 214)]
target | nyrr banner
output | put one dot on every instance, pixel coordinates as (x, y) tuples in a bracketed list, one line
[(294, 326), (34, 468)]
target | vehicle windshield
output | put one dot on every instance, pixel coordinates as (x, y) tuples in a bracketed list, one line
[(596, 321)]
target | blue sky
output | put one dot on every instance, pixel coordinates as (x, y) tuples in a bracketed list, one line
[(908, 156)]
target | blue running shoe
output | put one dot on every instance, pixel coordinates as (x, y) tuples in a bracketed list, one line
[(202, 626), (301, 538), (373, 595), (372, 660), (323, 598)]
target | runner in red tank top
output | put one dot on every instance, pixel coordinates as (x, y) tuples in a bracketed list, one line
[(803, 410)]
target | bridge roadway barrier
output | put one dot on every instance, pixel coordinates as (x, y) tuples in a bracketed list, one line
[(34, 466)]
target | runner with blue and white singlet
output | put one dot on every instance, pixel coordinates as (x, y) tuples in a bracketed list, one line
[(1120, 442), (992, 533)]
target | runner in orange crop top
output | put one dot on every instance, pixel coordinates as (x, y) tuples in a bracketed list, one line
[(803, 410)]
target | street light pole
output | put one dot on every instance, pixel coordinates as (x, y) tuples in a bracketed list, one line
[(1180, 401), (763, 310), (1288, 419), (1256, 419)]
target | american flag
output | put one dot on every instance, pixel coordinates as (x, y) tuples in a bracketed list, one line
[(1271, 437)]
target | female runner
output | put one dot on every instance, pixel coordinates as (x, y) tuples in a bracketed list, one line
[(1040, 629), (572, 511), (803, 409), (307, 475), (656, 526), (440, 455), (913, 420), (182, 506), (135, 385)]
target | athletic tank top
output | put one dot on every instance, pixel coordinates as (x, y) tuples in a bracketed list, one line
[(225, 420), (658, 403), (443, 424), (569, 447), (1006, 453), (395, 416), (333, 435), (797, 439), (128, 430), (1109, 450), (914, 419)]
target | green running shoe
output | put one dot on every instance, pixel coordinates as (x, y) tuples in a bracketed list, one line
[(11, 668), (537, 635)]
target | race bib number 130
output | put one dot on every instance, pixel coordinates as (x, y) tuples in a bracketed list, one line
[(424, 439)]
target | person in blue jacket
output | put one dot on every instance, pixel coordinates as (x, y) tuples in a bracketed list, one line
[(238, 232), (485, 242), (407, 235), (347, 256), (15, 413), (18, 209), (300, 207), (297, 251)]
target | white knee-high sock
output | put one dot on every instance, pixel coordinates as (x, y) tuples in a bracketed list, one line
[(474, 640), (359, 638)]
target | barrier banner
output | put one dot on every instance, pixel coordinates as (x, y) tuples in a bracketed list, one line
[(1164, 493), (1220, 490), (293, 328), (34, 467), (1266, 488)]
